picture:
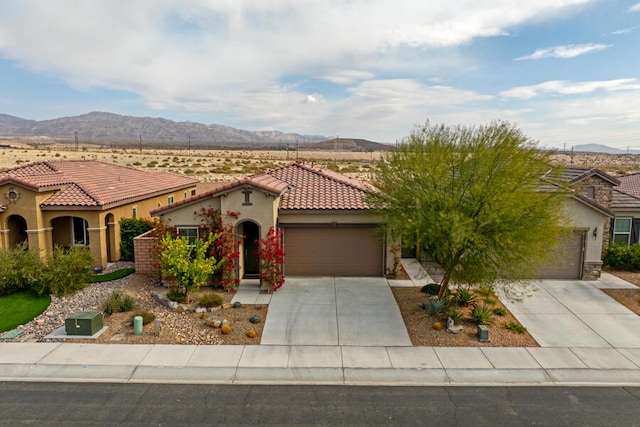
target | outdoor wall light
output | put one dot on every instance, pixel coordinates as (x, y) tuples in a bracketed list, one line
[(595, 232)]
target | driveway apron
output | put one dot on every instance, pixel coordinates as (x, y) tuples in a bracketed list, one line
[(346, 311), (575, 313)]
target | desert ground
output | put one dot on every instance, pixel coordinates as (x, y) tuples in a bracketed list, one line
[(222, 165)]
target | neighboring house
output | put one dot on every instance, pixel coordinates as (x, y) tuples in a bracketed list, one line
[(80, 203), (625, 227), (328, 227), (588, 213), (330, 230)]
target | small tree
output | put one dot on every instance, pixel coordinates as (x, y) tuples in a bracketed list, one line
[(271, 256), (474, 199), (186, 262)]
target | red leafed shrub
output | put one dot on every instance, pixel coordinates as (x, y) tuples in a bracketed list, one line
[(224, 247), (271, 255)]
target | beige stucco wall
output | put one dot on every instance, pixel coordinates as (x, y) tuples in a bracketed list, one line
[(263, 209), (184, 215), (580, 216)]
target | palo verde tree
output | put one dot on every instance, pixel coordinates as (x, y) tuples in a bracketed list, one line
[(474, 199)]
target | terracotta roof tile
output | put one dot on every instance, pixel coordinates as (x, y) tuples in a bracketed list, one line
[(318, 189), (630, 184), (89, 183)]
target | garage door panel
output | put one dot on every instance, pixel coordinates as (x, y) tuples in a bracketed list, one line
[(566, 261), (329, 251)]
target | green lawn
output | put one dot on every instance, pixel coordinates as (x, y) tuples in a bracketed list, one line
[(21, 307)]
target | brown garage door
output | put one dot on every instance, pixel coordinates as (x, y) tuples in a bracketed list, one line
[(332, 251), (566, 262)]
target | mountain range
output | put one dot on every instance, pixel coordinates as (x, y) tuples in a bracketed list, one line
[(108, 128), (599, 148)]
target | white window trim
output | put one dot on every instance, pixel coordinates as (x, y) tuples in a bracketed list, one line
[(85, 232), (627, 233)]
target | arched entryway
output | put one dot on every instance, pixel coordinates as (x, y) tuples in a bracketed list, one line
[(70, 231), (17, 230), (250, 232)]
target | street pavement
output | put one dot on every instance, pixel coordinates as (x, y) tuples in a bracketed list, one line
[(349, 331)]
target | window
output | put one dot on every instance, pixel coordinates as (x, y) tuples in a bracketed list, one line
[(190, 233), (247, 198), (134, 212), (185, 194), (622, 230), (80, 232), (193, 192), (170, 199)]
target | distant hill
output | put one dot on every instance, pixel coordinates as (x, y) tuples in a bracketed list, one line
[(348, 144), (599, 148), (108, 128)]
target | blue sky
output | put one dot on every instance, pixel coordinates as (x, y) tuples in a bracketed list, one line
[(566, 71)]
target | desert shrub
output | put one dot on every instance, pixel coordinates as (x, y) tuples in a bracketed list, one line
[(65, 272), (430, 288), (20, 269), (622, 257), (488, 294), (118, 302), (436, 306), (499, 311), (464, 297), (454, 314), (210, 300), (130, 228), (176, 295), (147, 317), (482, 315), (515, 327)]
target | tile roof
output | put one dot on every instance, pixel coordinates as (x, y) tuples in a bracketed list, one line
[(573, 175), (319, 189), (630, 184), (92, 184), (622, 200), (300, 187)]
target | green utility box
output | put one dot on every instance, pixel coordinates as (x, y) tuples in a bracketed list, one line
[(84, 323)]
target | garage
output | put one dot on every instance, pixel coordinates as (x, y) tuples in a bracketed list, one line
[(566, 261), (332, 250)]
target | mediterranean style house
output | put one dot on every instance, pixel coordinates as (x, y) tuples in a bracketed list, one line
[(80, 203)]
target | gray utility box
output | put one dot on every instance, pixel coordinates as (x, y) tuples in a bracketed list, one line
[(83, 323)]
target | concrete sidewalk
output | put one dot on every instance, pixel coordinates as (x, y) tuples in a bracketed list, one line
[(261, 364)]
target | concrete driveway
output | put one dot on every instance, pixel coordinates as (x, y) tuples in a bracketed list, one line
[(576, 313), (329, 311)]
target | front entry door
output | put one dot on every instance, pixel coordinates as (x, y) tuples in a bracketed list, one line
[(251, 235)]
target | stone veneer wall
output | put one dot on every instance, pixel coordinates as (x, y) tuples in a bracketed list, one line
[(591, 270), (143, 253)]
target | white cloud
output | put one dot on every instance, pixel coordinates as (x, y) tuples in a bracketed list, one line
[(347, 76), (635, 8), (624, 31), (563, 87), (565, 52)]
